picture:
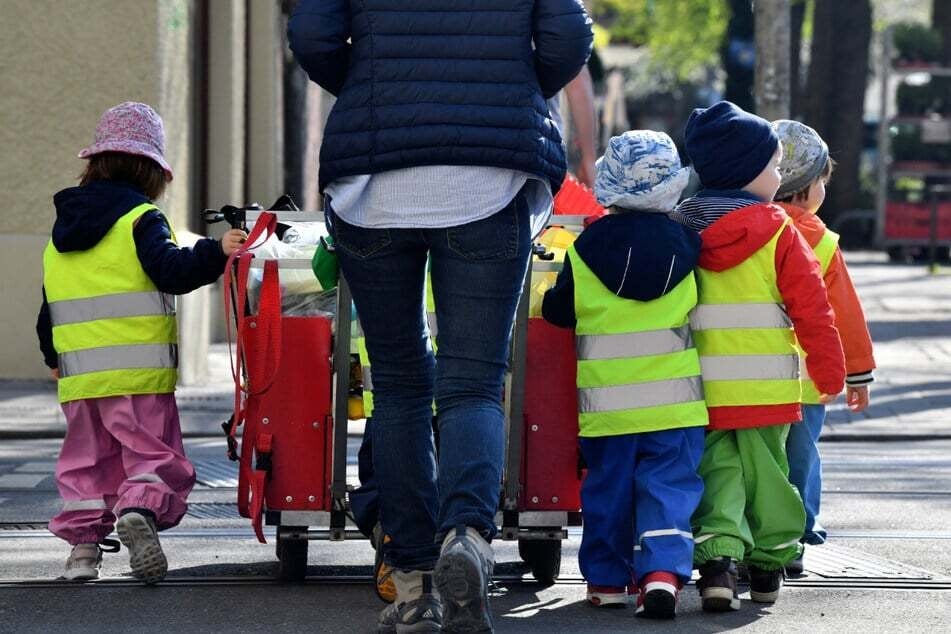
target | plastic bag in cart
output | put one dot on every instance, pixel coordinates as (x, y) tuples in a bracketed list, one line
[(301, 293)]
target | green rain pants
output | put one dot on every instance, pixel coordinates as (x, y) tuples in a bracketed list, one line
[(749, 511)]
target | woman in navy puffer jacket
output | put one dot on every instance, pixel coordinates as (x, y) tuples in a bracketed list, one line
[(440, 146)]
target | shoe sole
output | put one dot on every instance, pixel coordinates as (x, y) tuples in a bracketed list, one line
[(81, 574), (462, 588), (614, 602), (719, 600), (658, 604), (418, 627), (415, 628), (764, 597), (146, 558)]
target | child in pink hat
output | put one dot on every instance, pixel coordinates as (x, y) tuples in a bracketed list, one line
[(108, 333)]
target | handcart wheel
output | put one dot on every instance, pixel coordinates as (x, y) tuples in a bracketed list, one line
[(292, 558), (544, 557)]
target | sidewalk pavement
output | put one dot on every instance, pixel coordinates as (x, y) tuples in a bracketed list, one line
[(909, 315)]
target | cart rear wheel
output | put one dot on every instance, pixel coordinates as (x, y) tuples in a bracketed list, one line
[(897, 254), (292, 559), (544, 557)]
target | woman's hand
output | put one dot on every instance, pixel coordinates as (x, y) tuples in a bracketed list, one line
[(232, 241)]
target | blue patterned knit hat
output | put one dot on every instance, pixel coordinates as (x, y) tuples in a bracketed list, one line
[(640, 170)]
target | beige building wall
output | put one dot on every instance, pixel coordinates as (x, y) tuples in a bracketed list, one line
[(212, 70), (61, 65)]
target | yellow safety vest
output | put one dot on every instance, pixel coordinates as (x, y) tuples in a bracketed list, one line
[(825, 251), (748, 352), (638, 370), (114, 331)]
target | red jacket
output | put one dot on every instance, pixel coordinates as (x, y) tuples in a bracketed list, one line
[(849, 317), (730, 241)]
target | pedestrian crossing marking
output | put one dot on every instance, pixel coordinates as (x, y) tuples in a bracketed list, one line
[(47, 468), (22, 480)]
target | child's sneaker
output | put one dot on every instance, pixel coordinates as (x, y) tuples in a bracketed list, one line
[(609, 596), (717, 585), (795, 567), (383, 573), (765, 584), (657, 596), (462, 576), (416, 609), (83, 563), (137, 532)]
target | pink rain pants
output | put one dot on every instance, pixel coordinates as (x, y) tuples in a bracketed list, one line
[(120, 452)]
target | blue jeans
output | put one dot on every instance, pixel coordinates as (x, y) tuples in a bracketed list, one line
[(805, 467), (637, 499), (477, 270)]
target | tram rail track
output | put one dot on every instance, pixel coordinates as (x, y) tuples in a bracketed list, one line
[(505, 579)]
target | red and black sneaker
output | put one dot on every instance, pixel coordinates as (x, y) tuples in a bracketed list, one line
[(657, 596), (610, 596)]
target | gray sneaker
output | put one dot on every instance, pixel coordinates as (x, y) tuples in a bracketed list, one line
[(138, 533), (462, 576), (416, 609), (83, 563)]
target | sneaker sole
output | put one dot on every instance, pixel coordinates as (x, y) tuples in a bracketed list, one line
[(462, 588), (610, 601), (719, 600), (658, 604), (81, 574), (415, 628), (418, 627), (146, 558), (764, 597)]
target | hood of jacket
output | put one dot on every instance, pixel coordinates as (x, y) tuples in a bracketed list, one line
[(639, 255), (737, 235), (84, 215)]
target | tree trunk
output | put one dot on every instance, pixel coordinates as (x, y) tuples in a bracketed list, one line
[(797, 15), (772, 22), (941, 21), (835, 95), (737, 54)]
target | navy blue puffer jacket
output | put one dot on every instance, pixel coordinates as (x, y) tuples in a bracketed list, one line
[(440, 82)]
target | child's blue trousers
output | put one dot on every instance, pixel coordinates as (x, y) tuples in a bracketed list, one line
[(805, 467), (637, 499)]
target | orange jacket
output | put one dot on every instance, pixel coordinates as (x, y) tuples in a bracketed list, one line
[(849, 317)]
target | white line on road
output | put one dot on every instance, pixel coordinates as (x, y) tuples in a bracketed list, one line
[(22, 480), (37, 467)]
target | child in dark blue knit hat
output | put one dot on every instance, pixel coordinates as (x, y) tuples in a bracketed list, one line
[(760, 294)]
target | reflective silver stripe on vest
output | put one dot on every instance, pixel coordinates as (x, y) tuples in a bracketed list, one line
[(431, 322), (367, 378), (750, 367), (639, 395), (729, 316), (150, 355), (74, 311), (633, 344)]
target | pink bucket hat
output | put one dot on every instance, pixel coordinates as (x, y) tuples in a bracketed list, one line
[(132, 128)]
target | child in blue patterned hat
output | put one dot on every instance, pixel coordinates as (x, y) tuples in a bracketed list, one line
[(627, 288)]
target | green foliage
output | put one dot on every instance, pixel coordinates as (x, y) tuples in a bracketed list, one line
[(683, 35), (916, 42)]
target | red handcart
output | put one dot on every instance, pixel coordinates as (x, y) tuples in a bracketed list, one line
[(292, 375)]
